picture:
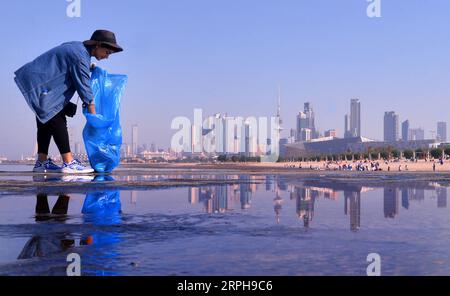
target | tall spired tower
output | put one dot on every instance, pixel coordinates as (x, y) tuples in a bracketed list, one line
[(280, 121)]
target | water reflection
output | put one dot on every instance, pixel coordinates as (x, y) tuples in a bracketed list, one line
[(165, 231), (100, 208), (220, 199), (42, 245)]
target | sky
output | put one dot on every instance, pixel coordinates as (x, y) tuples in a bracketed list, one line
[(230, 56)]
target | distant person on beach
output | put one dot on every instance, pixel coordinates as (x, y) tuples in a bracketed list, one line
[(48, 84)]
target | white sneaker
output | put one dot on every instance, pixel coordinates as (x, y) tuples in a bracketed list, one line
[(47, 166), (78, 178), (76, 167)]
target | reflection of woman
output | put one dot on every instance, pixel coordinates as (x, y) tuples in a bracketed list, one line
[(44, 245), (103, 209)]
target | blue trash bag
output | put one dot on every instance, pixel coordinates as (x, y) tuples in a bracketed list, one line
[(102, 133)]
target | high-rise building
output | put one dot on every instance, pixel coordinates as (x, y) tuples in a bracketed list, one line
[(405, 130), (249, 139), (347, 133), (305, 120), (355, 118), (417, 134), (134, 140), (442, 131), (390, 126), (306, 134)]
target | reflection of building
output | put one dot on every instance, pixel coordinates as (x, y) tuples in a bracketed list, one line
[(391, 206), (244, 190), (304, 198), (353, 207), (220, 204), (416, 194), (405, 198), (133, 196), (441, 197), (193, 195), (220, 198), (214, 198), (278, 200)]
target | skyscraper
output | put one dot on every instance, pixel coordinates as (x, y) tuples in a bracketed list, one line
[(417, 134), (305, 120), (390, 126), (405, 130), (355, 118), (442, 131), (134, 139), (347, 133)]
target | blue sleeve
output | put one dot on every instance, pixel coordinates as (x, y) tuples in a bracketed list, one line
[(80, 73)]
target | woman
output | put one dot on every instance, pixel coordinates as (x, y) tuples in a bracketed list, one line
[(48, 84)]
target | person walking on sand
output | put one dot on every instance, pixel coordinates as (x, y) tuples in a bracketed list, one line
[(48, 84)]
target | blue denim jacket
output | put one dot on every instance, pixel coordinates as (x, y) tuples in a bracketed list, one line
[(49, 82)]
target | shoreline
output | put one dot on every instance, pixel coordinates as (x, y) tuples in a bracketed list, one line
[(309, 167)]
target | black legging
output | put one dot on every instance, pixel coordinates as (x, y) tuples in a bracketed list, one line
[(56, 127)]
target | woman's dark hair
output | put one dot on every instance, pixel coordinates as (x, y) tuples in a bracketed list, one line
[(89, 48)]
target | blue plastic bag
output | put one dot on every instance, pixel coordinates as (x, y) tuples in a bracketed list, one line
[(102, 133)]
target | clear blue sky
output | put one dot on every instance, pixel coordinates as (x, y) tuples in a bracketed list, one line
[(229, 56)]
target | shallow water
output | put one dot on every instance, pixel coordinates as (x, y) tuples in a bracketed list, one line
[(258, 225)]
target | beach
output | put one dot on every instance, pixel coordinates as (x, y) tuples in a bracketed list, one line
[(384, 166)]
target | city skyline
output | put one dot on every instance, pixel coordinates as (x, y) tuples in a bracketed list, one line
[(305, 131), (208, 55)]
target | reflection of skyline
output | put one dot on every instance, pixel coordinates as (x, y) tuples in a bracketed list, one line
[(304, 203), (352, 206), (391, 202), (221, 198), (217, 198)]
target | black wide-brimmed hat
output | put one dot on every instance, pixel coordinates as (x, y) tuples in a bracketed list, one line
[(104, 38)]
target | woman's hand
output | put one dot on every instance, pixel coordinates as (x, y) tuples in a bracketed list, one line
[(91, 108)]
